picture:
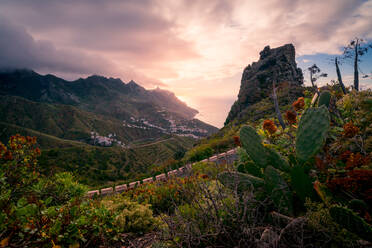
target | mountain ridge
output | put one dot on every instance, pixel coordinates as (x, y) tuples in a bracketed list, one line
[(127, 106)]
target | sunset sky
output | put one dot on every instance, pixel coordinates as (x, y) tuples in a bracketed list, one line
[(197, 49)]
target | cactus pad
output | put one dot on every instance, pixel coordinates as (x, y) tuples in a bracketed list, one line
[(351, 222), (276, 160), (250, 168), (278, 190), (325, 98), (301, 183), (312, 132), (252, 144), (240, 181)]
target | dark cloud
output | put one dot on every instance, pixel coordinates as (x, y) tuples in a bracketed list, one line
[(18, 49)]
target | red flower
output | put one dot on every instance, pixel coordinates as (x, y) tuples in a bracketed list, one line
[(269, 126), (237, 141), (356, 160), (299, 104), (8, 155), (37, 151), (350, 130), (291, 117)]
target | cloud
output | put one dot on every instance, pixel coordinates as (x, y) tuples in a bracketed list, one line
[(129, 33), (19, 49)]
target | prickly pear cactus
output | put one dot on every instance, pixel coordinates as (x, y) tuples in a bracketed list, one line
[(351, 222), (250, 168), (252, 144), (357, 205), (325, 98), (278, 190), (312, 132), (276, 160), (301, 183), (240, 181)]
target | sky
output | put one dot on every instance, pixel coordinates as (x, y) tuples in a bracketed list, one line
[(195, 48)]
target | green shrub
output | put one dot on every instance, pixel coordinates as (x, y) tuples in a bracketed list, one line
[(44, 212), (131, 216), (199, 153)]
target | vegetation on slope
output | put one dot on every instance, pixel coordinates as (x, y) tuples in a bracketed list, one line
[(310, 185)]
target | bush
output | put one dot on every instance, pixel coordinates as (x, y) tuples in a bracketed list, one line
[(163, 196), (131, 216), (44, 212), (199, 153), (214, 217)]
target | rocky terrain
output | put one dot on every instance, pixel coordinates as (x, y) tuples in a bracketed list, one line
[(257, 78)]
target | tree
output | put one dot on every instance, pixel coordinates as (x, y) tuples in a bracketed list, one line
[(315, 74), (354, 50), (339, 76)]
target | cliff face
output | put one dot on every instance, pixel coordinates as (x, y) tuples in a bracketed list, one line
[(257, 78)]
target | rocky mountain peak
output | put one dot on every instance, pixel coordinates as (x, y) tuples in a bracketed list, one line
[(256, 83)]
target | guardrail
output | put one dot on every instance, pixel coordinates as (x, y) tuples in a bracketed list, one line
[(226, 157)]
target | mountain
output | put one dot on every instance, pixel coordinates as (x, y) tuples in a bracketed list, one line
[(99, 105), (257, 78), (101, 129)]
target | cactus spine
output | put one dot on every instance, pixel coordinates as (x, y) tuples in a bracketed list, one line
[(325, 98), (312, 132)]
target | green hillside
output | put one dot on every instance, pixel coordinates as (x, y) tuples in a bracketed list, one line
[(96, 166), (66, 121)]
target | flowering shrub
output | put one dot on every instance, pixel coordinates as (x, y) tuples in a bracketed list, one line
[(350, 130), (163, 196), (43, 212), (357, 181)]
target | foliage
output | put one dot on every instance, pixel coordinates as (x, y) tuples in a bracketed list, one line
[(199, 153), (42, 212), (131, 216), (163, 197), (351, 221)]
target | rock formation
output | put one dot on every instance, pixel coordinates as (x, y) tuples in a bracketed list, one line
[(257, 78)]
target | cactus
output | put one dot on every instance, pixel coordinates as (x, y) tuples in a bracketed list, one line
[(324, 99), (278, 190), (250, 168), (301, 183), (312, 132), (276, 160), (251, 142), (351, 222), (357, 205), (242, 181)]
